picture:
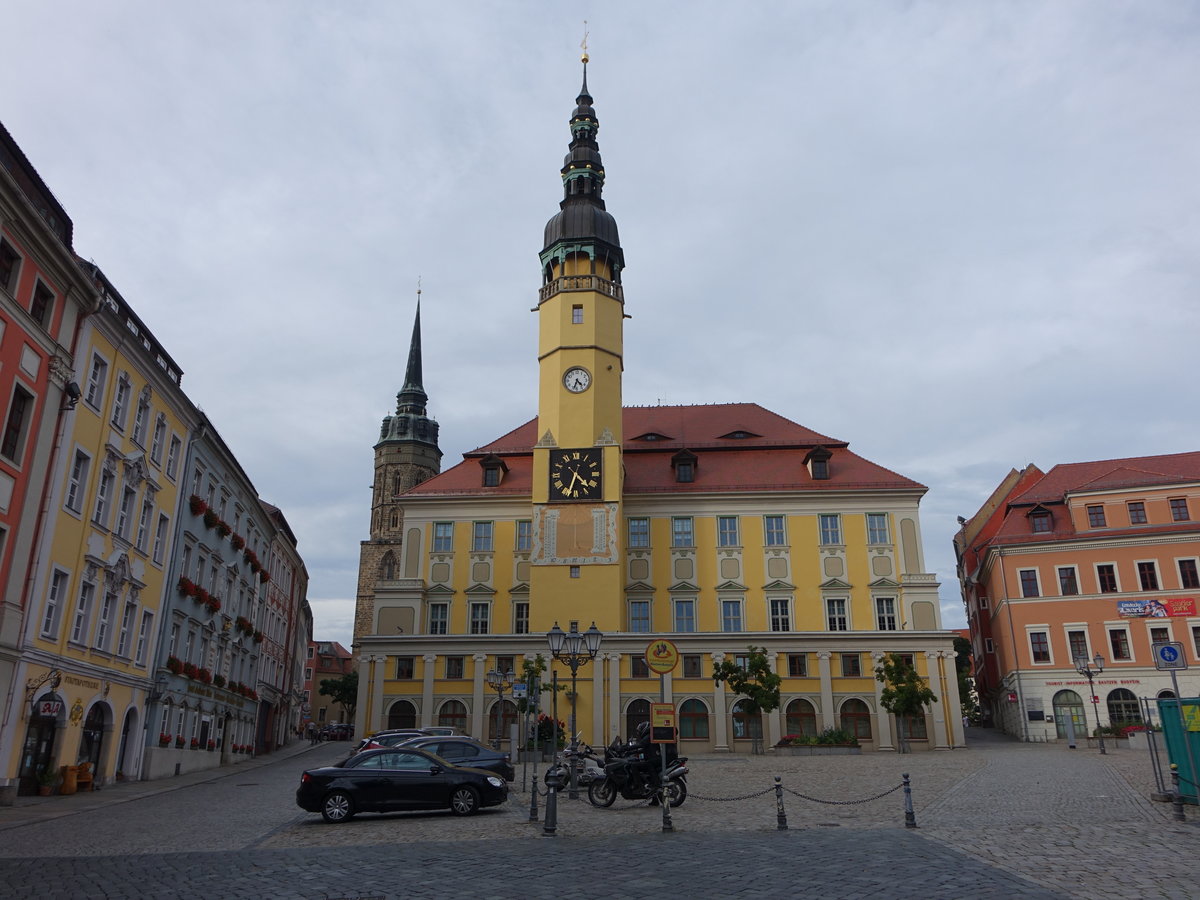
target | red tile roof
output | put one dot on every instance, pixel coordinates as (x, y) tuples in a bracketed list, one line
[(773, 459)]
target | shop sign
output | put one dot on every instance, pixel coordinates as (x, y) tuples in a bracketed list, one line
[(49, 708), (1012, 696), (1156, 609), (662, 723), (661, 656)]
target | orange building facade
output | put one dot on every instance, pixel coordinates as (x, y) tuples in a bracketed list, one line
[(1096, 558)]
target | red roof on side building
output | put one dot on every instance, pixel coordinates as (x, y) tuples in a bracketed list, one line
[(738, 447)]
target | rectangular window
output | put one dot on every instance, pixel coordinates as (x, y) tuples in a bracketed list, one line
[(125, 514), (1106, 576), (77, 481), (405, 667), (443, 537), (835, 614), (143, 529), (681, 532), (439, 618), (1160, 635), (727, 531), (692, 666), (140, 421), (521, 618), (54, 601), (1095, 516), (481, 538), (121, 401), (639, 532), (1189, 577), (83, 613), (797, 665), (102, 626), (126, 632), (781, 618), (831, 528), (480, 618), (639, 616), (731, 615), (1078, 643), (1068, 583), (173, 456), (988, 646), (1039, 645), (1148, 575), (685, 472), (524, 535), (577, 314), (638, 667), (1137, 512), (160, 539), (505, 664), (906, 659), (1118, 640), (144, 632), (877, 528), (96, 378), (851, 665), (10, 265), (773, 529), (1029, 582), (160, 437), (685, 616), (885, 613), (1179, 509), (1041, 522), (20, 411)]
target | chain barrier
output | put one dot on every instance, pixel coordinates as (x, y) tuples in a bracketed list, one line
[(844, 802), (692, 796)]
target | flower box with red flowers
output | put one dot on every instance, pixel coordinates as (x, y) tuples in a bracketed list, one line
[(204, 676), (258, 637), (223, 528), (213, 604), (219, 680), (187, 587), (195, 743), (238, 542), (190, 670), (211, 519), (197, 505), (164, 740), (212, 745), (175, 665), (264, 576), (179, 740)]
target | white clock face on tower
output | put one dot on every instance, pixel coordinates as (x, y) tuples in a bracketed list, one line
[(577, 379)]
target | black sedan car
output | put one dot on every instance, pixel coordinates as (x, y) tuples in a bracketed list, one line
[(397, 778), (465, 751)]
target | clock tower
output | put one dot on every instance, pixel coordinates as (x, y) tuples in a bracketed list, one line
[(577, 478)]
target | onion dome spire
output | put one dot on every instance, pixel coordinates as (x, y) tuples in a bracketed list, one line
[(582, 224)]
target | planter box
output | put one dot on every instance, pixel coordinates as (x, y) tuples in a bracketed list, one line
[(818, 750)]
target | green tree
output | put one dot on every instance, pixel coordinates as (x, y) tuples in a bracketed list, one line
[(904, 693), (963, 659), (344, 692), (754, 681)]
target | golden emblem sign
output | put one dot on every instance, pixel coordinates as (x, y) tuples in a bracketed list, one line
[(661, 656)]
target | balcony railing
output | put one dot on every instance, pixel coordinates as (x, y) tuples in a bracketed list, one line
[(581, 283)]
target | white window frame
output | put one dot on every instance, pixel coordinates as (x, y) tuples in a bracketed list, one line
[(1109, 628), (1037, 582), (144, 632), (124, 392), (97, 381), (738, 606), (81, 624), (1137, 568), (1045, 629), (483, 536), (173, 448), (158, 439), (833, 616), (104, 620), (728, 531), (442, 620), (1058, 578), (834, 529), (143, 529), (56, 594), (77, 481), (125, 632), (676, 603), (638, 539), (1179, 570), (776, 617), (1067, 628), (770, 534), (881, 616), (160, 539), (678, 532), (873, 532), (1116, 575)]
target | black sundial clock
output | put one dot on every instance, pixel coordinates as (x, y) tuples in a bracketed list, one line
[(575, 474)]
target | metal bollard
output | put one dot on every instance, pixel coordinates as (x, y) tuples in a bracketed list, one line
[(533, 795), (1176, 796), (910, 819), (780, 815), (551, 824)]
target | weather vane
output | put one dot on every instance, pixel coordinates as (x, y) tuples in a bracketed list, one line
[(418, 288), (583, 43)]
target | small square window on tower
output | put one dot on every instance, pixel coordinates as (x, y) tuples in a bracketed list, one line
[(577, 314)]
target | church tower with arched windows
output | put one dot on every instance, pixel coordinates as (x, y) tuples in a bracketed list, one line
[(407, 454)]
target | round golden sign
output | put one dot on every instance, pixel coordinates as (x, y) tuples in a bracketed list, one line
[(661, 656)]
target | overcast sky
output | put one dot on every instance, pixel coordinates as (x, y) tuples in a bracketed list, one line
[(961, 236)]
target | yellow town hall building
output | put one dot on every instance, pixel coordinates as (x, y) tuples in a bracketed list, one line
[(717, 527)]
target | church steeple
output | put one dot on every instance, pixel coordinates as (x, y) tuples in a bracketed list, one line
[(411, 423)]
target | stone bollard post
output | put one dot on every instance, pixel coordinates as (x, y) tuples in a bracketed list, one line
[(551, 824), (1176, 796), (780, 815), (910, 819), (533, 795)]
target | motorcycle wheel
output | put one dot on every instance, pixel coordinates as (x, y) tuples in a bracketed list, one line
[(677, 792), (602, 793)]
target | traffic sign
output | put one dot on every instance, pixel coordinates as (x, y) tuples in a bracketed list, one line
[(519, 690), (661, 656), (1169, 655)]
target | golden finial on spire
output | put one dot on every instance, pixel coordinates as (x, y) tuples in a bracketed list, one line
[(583, 43)]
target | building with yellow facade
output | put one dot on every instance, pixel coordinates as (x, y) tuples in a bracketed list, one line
[(718, 527)]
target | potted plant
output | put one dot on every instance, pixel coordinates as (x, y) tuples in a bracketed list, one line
[(223, 528), (195, 743), (175, 665), (237, 541), (164, 739), (219, 680), (179, 741), (197, 505), (211, 519), (212, 745), (46, 780)]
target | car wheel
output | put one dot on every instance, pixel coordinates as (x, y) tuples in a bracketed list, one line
[(602, 793), (677, 792), (337, 808), (464, 801)]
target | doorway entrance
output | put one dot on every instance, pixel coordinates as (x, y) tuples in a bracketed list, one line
[(1069, 703)]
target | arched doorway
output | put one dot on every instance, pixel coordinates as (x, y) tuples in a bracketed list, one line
[(747, 726), (454, 714), (693, 720), (402, 715), (856, 719), (508, 718), (127, 749), (1067, 703), (800, 718), (1123, 707), (37, 753), (637, 712), (91, 741)]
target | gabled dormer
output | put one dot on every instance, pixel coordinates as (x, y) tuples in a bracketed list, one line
[(684, 464), (493, 470), (817, 462)]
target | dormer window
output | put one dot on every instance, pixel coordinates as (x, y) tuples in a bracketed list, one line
[(684, 464), (739, 435), (652, 436), (493, 470), (1041, 521), (817, 461)]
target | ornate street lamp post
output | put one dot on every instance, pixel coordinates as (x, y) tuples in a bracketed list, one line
[(498, 681), (1083, 668), (575, 650)]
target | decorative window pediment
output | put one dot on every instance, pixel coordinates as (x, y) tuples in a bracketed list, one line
[(477, 590), (884, 583), (639, 587), (439, 591), (778, 585), (731, 586), (683, 587), (835, 584)]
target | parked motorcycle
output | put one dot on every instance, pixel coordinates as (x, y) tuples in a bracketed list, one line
[(634, 771)]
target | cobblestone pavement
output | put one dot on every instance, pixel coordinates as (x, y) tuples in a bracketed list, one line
[(999, 819)]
